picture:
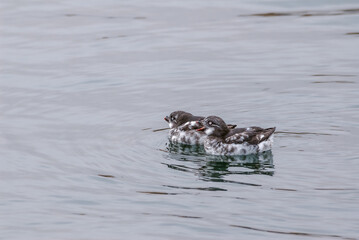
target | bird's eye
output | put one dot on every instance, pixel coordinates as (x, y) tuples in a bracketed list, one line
[(210, 123), (173, 118)]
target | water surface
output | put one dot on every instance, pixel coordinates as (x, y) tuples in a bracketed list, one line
[(83, 87)]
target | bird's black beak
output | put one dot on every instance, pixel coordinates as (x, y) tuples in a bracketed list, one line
[(167, 119)]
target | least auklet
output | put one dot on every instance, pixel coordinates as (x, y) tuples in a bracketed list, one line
[(183, 126), (239, 141)]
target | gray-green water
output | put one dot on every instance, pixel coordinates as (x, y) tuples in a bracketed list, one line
[(83, 84)]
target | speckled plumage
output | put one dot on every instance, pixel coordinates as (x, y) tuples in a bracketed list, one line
[(191, 137), (215, 146), (239, 141), (183, 127)]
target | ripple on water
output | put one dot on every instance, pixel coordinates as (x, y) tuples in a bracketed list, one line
[(84, 94)]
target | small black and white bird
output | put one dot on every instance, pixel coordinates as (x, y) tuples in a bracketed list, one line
[(239, 141), (183, 126)]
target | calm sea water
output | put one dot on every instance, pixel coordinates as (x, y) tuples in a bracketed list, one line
[(84, 87)]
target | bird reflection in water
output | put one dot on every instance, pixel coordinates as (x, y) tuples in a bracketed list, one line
[(190, 158)]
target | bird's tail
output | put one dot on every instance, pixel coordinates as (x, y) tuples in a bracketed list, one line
[(267, 133)]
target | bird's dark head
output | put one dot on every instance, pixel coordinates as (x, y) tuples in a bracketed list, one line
[(178, 118), (214, 126)]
